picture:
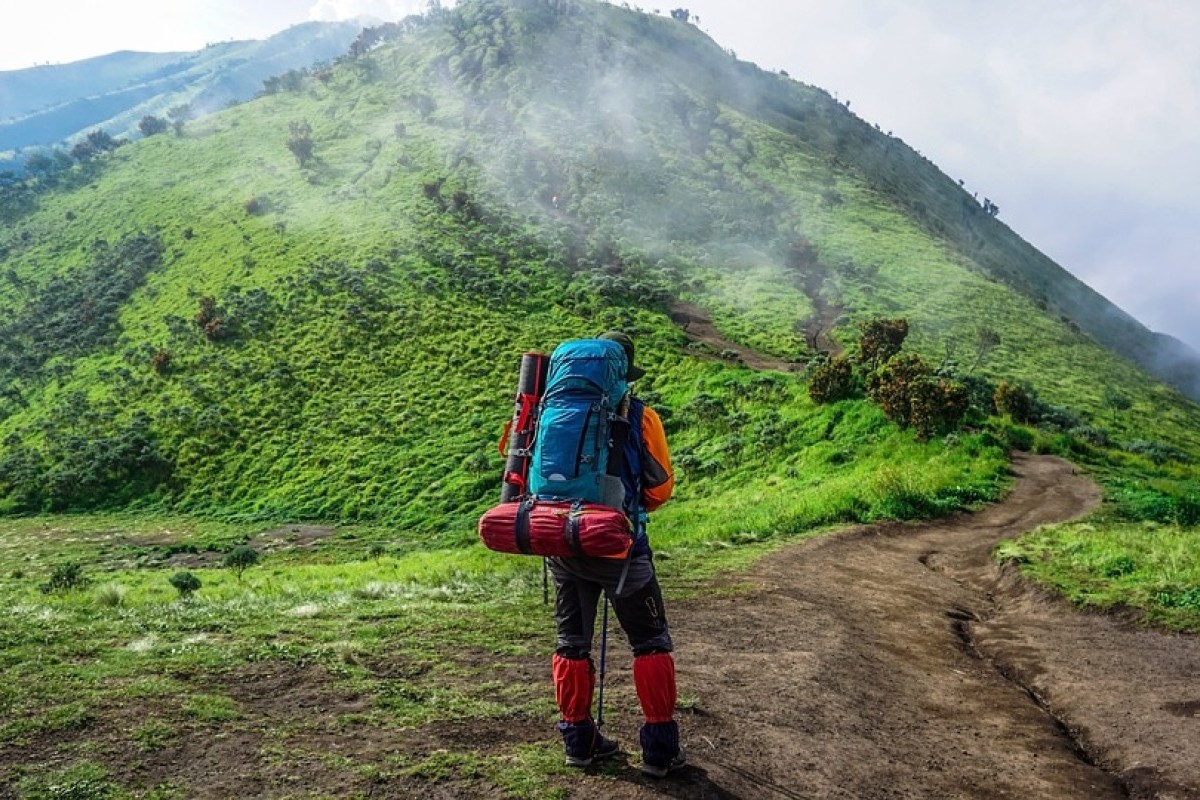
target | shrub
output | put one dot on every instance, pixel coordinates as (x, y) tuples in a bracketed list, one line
[(831, 380), (880, 339), (241, 558), (300, 141), (186, 583), (111, 595), (211, 320), (151, 125), (255, 206), (1157, 452), (64, 578), (1015, 437), (1092, 435), (1055, 417), (913, 397), (1015, 401), (161, 361), (981, 393)]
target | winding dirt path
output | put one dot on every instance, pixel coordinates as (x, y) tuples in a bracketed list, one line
[(900, 662), (698, 328)]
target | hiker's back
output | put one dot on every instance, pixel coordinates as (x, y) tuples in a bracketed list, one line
[(576, 426)]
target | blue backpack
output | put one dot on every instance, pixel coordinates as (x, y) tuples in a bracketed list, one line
[(584, 386)]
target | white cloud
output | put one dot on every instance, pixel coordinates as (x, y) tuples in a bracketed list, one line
[(388, 10)]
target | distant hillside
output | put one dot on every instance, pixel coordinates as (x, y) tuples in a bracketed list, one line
[(311, 305), (50, 105)]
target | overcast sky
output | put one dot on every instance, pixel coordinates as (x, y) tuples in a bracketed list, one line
[(1080, 118)]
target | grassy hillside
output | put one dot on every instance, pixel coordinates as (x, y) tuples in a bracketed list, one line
[(457, 210), (297, 327)]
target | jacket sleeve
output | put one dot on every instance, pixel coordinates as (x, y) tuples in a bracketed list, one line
[(658, 481)]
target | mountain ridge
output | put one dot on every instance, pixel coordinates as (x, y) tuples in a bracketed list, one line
[(44, 106)]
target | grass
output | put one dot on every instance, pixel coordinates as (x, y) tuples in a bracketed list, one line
[(1147, 566), (418, 634)]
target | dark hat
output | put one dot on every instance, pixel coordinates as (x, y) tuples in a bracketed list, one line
[(627, 345)]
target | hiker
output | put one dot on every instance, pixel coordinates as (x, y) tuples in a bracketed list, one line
[(632, 588)]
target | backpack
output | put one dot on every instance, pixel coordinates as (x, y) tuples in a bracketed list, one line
[(579, 432)]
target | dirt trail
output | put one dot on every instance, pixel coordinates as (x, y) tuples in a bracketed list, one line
[(699, 328), (900, 662)]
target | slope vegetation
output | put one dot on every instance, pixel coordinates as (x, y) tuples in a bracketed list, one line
[(339, 277)]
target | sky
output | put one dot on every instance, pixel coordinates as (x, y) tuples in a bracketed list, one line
[(1079, 118)]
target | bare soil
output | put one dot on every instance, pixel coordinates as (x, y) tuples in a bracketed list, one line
[(899, 661)]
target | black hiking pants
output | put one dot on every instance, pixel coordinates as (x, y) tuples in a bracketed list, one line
[(579, 582)]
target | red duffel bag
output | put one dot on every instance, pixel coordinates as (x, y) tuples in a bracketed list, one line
[(536, 528)]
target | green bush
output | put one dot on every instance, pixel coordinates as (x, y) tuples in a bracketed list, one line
[(186, 583), (880, 339), (1014, 401), (64, 578), (241, 558), (831, 380), (910, 395), (1157, 452)]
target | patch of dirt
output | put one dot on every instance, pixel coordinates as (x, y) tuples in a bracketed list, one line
[(298, 735), (286, 537), (293, 537), (699, 328), (898, 661)]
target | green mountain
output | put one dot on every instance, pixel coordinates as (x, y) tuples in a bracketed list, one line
[(50, 105), (312, 305)]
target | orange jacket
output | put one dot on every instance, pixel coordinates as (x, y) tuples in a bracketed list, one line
[(658, 481)]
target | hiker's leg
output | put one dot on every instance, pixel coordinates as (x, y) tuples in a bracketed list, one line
[(572, 669), (644, 620), (575, 605)]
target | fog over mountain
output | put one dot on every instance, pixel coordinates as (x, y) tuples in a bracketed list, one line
[(1080, 119)]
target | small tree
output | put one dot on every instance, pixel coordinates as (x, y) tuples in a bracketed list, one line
[(1116, 402), (101, 141), (241, 558), (64, 578), (986, 340), (681, 14), (179, 115), (912, 396), (160, 362), (880, 339), (186, 583), (300, 141), (152, 125), (425, 105)]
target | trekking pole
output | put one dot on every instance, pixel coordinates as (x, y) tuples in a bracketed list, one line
[(603, 659)]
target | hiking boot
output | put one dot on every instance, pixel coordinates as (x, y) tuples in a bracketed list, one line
[(604, 748), (583, 743), (662, 770)]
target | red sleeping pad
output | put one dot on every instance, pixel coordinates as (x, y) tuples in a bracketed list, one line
[(562, 530)]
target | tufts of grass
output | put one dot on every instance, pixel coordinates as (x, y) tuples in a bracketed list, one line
[(1149, 566)]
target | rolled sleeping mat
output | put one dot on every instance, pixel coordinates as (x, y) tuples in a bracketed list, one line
[(531, 385)]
